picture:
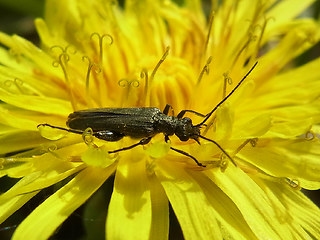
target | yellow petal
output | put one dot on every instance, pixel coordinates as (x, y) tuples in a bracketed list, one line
[(47, 38), (297, 77), (130, 203), (28, 161), (289, 129), (41, 179), (301, 212), (251, 126), (97, 157), (9, 206), (16, 141), (295, 159), (196, 216), (294, 43), (228, 215), (43, 221), (10, 119), (160, 210), (224, 122), (256, 209), (284, 11), (37, 103), (158, 149)]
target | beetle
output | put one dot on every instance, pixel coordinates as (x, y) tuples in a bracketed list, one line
[(112, 124)]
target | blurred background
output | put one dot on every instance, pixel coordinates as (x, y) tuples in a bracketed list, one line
[(17, 17)]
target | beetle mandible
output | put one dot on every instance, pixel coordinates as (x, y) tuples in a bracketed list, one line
[(112, 124)]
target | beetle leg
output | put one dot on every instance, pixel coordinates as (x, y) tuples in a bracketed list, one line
[(222, 150), (61, 128), (141, 142), (166, 109), (183, 112), (108, 135), (166, 138), (188, 155)]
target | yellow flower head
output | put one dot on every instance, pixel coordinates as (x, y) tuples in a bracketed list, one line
[(234, 172)]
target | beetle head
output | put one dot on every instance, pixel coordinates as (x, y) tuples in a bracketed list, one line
[(185, 130)]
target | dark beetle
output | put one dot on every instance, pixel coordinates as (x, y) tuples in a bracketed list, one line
[(112, 124)]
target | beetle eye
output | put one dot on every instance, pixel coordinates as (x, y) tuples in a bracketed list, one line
[(183, 138), (187, 120)]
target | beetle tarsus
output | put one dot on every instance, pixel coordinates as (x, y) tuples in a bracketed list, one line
[(188, 155), (141, 142)]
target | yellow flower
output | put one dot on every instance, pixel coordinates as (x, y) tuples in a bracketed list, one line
[(97, 54)]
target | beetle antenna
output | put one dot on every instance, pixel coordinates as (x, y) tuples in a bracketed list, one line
[(223, 100), (222, 150)]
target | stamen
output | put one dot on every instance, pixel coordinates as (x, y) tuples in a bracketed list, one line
[(263, 28), (62, 61), (294, 183), (145, 100), (135, 83), (209, 124), (164, 56), (211, 18), (241, 146), (222, 150), (128, 83), (223, 163), (87, 136), (97, 69), (251, 38), (123, 82), (21, 87), (16, 83), (310, 135), (144, 74), (52, 150), (100, 39), (227, 80), (66, 50), (230, 13), (205, 69), (252, 141)]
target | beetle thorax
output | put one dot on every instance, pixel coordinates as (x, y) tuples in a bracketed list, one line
[(185, 130)]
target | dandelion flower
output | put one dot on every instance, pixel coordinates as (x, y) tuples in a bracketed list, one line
[(97, 54)]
